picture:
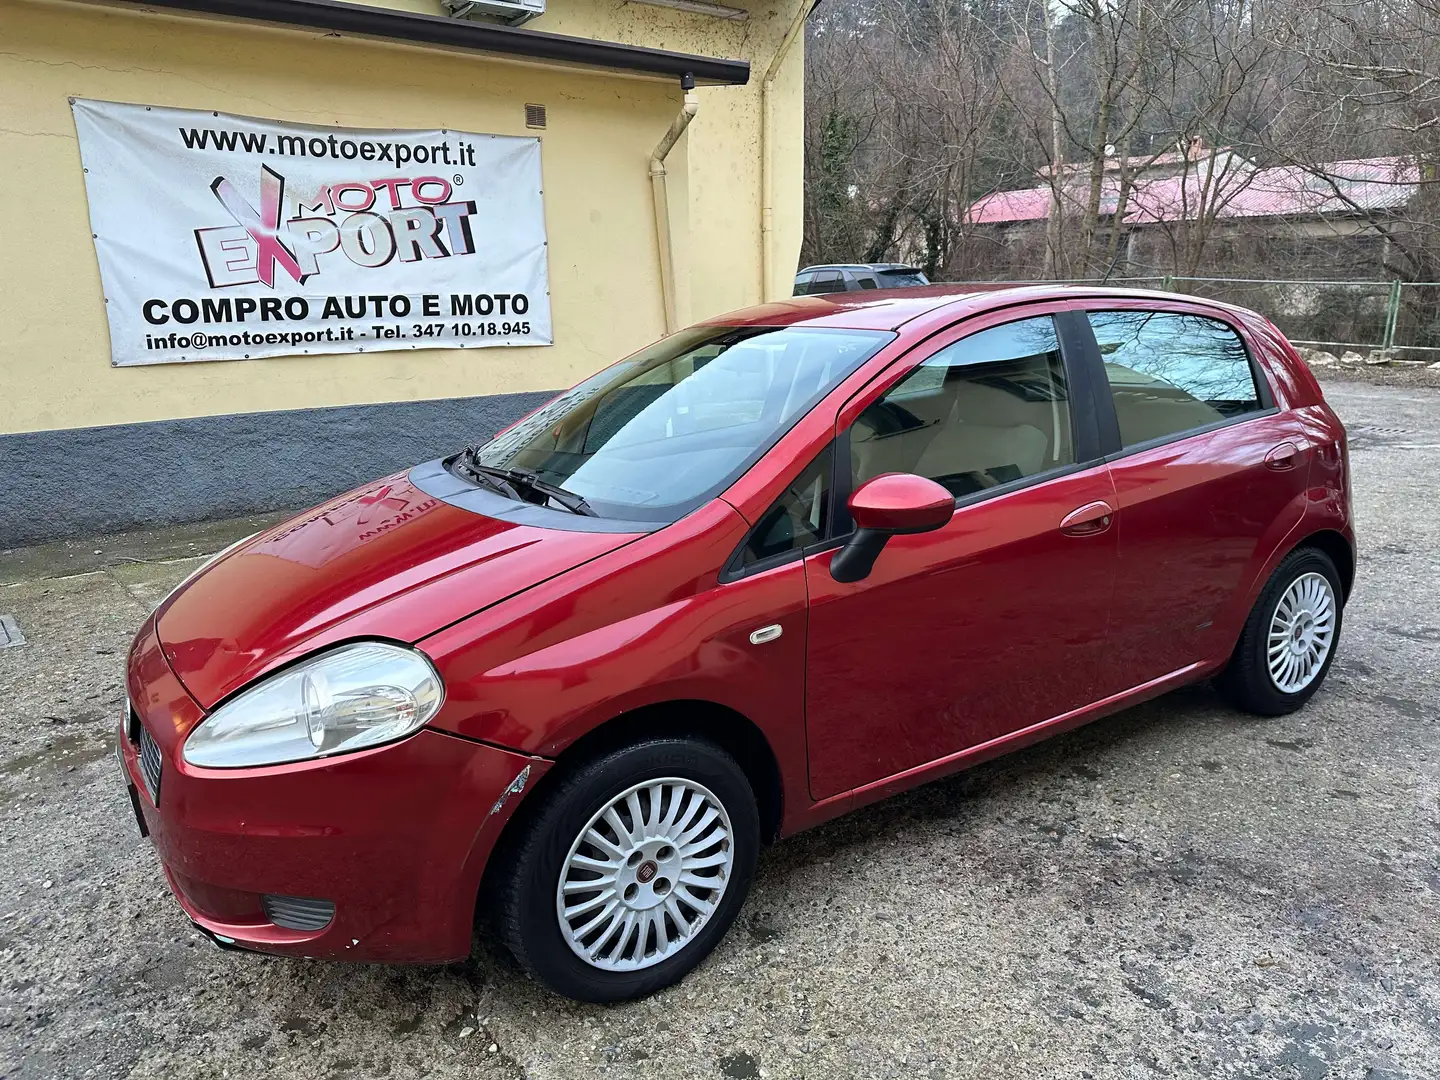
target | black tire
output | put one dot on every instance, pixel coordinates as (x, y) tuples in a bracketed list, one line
[(526, 880), (1246, 682)]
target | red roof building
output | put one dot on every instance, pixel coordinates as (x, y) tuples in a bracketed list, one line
[(1219, 185)]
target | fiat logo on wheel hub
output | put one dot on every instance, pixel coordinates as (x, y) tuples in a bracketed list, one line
[(647, 871)]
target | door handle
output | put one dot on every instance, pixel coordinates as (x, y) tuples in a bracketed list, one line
[(1282, 457), (1088, 520)]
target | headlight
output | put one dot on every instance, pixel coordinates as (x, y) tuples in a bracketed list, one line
[(346, 699)]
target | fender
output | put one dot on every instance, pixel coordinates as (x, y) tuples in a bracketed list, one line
[(487, 835), (616, 635), (1278, 542), (1323, 506), (693, 649)]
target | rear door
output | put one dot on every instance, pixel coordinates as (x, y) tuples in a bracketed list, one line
[(1209, 475)]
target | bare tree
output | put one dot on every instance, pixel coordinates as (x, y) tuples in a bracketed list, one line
[(1144, 122), (901, 97)]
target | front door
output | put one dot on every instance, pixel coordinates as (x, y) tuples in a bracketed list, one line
[(995, 622)]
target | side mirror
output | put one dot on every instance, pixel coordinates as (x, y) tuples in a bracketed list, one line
[(888, 506)]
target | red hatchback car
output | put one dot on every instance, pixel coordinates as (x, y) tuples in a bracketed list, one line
[(770, 569)]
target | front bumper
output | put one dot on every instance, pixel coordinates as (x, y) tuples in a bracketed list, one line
[(395, 837)]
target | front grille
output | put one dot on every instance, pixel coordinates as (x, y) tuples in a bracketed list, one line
[(150, 764), (298, 913)]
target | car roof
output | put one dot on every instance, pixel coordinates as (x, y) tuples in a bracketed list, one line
[(890, 309)]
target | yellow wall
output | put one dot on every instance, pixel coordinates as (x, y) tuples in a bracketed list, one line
[(604, 276)]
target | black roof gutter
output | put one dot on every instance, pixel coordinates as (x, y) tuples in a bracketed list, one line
[(420, 29)]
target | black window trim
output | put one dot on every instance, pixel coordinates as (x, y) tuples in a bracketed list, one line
[(735, 567), (1011, 486), (1189, 433), (1088, 351), (846, 527), (1076, 338)]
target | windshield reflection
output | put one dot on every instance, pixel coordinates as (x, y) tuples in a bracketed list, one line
[(656, 435)]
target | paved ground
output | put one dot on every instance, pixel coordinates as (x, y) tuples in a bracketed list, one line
[(1176, 891)]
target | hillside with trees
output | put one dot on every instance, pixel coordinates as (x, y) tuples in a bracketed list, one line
[(1136, 137)]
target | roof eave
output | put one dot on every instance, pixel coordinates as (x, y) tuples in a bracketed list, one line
[(419, 29)]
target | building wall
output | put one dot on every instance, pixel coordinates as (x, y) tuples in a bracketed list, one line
[(58, 391)]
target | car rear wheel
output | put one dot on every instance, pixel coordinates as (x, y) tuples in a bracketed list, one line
[(630, 870), (1289, 639)]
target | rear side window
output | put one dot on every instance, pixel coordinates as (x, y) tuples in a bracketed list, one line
[(825, 281), (1170, 373)]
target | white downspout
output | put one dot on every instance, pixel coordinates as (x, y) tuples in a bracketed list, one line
[(767, 155), (662, 202)]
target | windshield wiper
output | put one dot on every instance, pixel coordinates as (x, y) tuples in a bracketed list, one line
[(570, 500), (488, 477), (515, 478)]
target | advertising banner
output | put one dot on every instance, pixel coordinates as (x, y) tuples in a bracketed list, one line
[(229, 238)]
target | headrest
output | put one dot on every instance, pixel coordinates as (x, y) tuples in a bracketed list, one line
[(980, 403)]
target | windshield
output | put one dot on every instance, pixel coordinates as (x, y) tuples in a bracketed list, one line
[(656, 435)]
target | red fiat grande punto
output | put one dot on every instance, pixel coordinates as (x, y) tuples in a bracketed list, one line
[(772, 568)]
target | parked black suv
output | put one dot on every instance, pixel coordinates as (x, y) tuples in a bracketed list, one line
[(848, 277)]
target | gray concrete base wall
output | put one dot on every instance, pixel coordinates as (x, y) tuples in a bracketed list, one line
[(82, 481)]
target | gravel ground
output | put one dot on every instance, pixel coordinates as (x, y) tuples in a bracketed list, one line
[(1408, 376), (1174, 891)]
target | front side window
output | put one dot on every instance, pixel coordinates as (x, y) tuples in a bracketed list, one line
[(987, 410), (654, 436), (1171, 372), (796, 520)]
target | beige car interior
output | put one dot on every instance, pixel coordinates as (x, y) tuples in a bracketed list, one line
[(976, 425), (1145, 415), (983, 425)]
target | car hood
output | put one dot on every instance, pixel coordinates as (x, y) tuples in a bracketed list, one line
[(386, 560)]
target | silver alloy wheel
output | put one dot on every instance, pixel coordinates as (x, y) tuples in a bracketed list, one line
[(1302, 631), (645, 874)]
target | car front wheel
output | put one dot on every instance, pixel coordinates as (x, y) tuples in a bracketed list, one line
[(630, 869), (1289, 639)]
